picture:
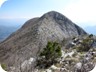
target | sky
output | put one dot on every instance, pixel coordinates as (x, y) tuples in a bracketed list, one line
[(81, 12)]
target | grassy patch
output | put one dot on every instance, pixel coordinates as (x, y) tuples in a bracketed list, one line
[(4, 66)]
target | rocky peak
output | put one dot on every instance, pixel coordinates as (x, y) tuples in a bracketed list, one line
[(55, 15)]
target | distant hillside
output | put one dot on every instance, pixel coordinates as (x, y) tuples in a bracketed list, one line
[(12, 22), (91, 29), (8, 26), (5, 31)]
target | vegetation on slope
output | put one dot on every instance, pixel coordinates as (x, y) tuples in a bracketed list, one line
[(49, 55)]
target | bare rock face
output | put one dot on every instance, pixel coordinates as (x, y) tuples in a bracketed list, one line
[(34, 35)]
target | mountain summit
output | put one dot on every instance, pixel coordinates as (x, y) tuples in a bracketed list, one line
[(34, 35)]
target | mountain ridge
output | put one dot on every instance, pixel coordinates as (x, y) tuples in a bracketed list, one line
[(34, 35)]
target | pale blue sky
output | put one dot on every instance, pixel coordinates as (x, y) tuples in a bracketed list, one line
[(82, 12), (29, 8)]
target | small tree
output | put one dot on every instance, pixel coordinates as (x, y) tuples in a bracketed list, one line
[(50, 54)]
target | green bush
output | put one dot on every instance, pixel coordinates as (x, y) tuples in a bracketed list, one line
[(50, 54), (4, 66)]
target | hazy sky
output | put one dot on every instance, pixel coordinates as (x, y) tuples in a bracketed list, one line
[(82, 12)]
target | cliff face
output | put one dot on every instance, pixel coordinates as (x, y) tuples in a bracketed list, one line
[(34, 35)]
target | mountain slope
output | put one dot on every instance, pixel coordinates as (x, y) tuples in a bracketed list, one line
[(34, 35)]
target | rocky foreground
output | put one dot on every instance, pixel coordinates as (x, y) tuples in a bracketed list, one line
[(71, 60), (74, 61)]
